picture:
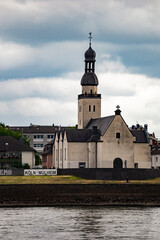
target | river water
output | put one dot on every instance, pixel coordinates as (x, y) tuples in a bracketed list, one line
[(75, 223)]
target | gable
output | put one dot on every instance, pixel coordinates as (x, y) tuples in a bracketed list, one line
[(101, 123), (118, 129)]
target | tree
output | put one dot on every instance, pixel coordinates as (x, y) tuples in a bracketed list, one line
[(38, 160), (4, 131)]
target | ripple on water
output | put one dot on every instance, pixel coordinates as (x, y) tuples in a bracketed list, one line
[(80, 223)]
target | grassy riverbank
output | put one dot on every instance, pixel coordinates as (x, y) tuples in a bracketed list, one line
[(65, 180)]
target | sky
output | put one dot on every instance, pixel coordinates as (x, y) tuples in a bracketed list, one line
[(42, 46)]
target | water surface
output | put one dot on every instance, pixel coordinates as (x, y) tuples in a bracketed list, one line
[(77, 223)]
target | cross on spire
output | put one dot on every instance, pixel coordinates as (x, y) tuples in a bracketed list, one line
[(90, 38)]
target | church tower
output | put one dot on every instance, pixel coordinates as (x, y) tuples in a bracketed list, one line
[(89, 102)]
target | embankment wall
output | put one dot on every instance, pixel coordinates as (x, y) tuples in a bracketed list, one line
[(111, 173), (79, 194)]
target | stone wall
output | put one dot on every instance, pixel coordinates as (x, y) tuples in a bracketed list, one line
[(79, 194)]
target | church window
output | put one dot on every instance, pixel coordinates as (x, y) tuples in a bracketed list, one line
[(65, 154), (89, 108), (94, 108), (82, 164), (91, 91), (57, 155), (80, 108), (61, 154), (117, 135)]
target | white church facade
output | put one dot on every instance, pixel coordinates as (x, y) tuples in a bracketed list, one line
[(100, 142)]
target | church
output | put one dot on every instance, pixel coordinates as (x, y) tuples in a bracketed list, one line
[(100, 142)]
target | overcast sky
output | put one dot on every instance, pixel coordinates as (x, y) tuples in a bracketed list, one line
[(42, 45)]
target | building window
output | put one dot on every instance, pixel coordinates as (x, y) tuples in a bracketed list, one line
[(89, 108), (136, 165), (82, 164), (117, 135), (38, 145), (80, 108), (38, 136), (94, 108), (91, 91), (50, 136), (156, 159)]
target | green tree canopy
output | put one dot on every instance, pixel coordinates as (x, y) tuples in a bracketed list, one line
[(4, 131)]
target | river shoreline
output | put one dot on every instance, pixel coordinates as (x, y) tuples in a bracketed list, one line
[(49, 195)]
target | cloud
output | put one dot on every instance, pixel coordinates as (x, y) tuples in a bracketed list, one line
[(22, 60), (46, 20), (138, 96), (56, 88), (54, 100), (42, 43)]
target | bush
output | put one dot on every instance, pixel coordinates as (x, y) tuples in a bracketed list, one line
[(38, 160), (26, 166)]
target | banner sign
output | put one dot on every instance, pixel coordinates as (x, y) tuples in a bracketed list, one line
[(4, 172), (40, 172)]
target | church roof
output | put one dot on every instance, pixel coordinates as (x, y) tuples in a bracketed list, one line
[(89, 78), (101, 123), (140, 136), (82, 135), (90, 54)]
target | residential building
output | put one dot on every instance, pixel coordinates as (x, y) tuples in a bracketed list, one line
[(47, 155), (38, 135), (156, 156), (13, 151)]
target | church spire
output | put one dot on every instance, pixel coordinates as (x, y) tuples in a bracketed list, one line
[(89, 77), (90, 56), (89, 102), (90, 38)]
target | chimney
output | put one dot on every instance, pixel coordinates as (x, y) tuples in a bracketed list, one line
[(146, 127)]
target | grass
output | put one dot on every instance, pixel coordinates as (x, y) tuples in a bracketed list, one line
[(65, 180)]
